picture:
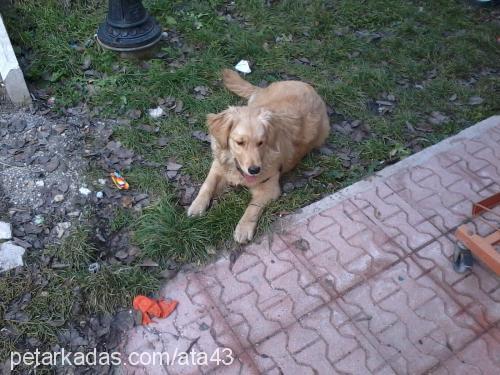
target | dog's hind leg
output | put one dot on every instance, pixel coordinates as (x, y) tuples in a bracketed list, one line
[(214, 183), (262, 195)]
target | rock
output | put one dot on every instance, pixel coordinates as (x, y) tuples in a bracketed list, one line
[(61, 228), (18, 125), (475, 100), (140, 197), (60, 128), (135, 114), (179, 105), (343, 129), (87, 62), (11, 256), (63, 187), (122, 254), (326, 151), (58, 198), (201, 92), (133, 251), (188, 196), (162, 141), (437, 118), (173, 166), (52, 165), (38, 220), (149, 128), (123, 121), (201, 136), (288, 187), (21, 243), (171, 174), (40, 183), (127, 201), (32, 229), (5, 231), (313, 173)]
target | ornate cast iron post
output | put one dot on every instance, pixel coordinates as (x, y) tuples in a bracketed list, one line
[(128, 27)]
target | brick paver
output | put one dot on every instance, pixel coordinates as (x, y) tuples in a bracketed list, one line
[(361, 283)]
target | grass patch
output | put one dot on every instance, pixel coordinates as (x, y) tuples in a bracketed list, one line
[(122, 283), (38, 301), (165, 232), (122, 219), (76, 250)]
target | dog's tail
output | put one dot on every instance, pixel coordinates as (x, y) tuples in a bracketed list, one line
[(238, 85)]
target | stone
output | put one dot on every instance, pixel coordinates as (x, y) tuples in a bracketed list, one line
[(5, 231), (201, 136), (173, 166), (288, 187), (38, 220), (475, 100), (61, 228), (11, 256), (58, 198), (18, 125)]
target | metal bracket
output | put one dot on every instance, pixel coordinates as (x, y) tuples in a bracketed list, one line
[(481, 247)]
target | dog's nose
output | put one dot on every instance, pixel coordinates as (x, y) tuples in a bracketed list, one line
[(254, 170)]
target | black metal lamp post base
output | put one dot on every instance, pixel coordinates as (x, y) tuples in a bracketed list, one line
[(128, 27), (485, 3)]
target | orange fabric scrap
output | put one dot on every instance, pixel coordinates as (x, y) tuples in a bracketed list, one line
[(150, 307)]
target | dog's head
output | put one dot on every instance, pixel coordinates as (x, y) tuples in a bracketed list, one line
[(248, 135)]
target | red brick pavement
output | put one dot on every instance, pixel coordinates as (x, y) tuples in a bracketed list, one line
[(364, 285)]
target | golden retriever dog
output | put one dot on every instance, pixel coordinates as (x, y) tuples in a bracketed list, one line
[(254, 145)]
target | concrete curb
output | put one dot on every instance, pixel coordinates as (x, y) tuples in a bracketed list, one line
[(10, 72), (366, 184)]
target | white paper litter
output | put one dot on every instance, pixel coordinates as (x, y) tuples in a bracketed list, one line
[(84, 191), (11, 256), (5, 231), (156, 112), (243, 67)]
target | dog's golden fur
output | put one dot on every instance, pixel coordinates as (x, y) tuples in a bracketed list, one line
[(254, 145)]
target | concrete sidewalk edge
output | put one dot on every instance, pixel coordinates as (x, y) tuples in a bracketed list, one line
[(367, 183)]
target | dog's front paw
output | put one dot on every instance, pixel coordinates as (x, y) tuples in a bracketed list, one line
[(198, 207), (244, 231)]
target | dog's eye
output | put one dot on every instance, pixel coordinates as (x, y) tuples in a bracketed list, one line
[(240, 143), (260, 143)]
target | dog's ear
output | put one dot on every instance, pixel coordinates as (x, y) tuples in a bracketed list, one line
[(266, 118), (220, 124)]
